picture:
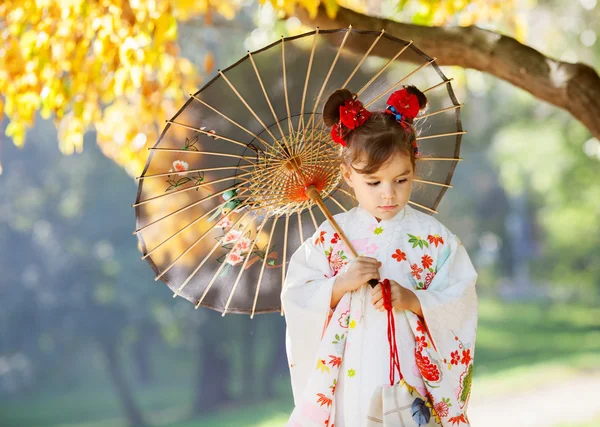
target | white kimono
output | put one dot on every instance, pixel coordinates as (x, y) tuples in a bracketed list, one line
[(333, 379)]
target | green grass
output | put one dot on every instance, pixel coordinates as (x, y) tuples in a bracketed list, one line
[(593, 423), (520, 346)]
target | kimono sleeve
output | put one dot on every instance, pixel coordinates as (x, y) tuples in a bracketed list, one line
[(306, 298), (449, 308), (449, 304)]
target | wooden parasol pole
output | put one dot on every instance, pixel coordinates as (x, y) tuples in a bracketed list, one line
[(312, 192)]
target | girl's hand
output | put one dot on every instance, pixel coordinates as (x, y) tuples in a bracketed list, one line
[(402, 298), (361, 270)]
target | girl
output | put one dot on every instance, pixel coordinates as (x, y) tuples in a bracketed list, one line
[(338, 347)]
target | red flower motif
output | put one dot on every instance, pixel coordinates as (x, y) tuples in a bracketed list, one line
[(428, 280), (421, 327), (336, 238), (466, 357), (336, 262), (335, 361), (405, 103), (324, 400), (455, 357), (421, 342), (353, 114), (416, 271), (458, 419), (399, 255), (429, 371), (435, 239), (427, 261), (320, 239), (441, 408)]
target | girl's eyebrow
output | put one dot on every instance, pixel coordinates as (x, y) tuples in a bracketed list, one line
[(376, 177)]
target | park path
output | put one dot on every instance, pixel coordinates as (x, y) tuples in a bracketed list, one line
[(569, 402)]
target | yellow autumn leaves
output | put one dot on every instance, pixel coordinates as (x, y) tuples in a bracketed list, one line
[(114, 65), (70, 59)]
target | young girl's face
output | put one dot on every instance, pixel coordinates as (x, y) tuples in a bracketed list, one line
[(385, 192)]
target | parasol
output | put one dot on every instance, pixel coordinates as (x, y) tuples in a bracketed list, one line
[(247, 170)]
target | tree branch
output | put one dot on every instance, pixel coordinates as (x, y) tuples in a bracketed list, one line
[(574, 87)]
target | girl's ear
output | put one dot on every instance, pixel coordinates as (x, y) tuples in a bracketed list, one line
[(346, 174)]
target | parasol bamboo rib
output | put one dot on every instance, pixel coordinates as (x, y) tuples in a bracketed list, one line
[(210, 153), (189, 171), (204, 132), (189, 248), (183, 190), (310, 61), (241, 98), (285, 91), (324, 139), (312, 216), (209, 286), (331, 67), (300, 226), (265, 143), (197, 202), (445, 82), (439, 135), (383, 68), (439, 184), (420, 159), (338, 203), (264, 91), (433, 113), (315, 149), (278, 164), (347, 194), (362, 59), (239, 276), (262, 268), (183, 229), (219, 242), (423, 207), (399, 81)]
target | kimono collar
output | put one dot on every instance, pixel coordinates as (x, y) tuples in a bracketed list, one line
[(395, 220)]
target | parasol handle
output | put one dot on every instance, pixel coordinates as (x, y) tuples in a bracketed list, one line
[(313, 194)]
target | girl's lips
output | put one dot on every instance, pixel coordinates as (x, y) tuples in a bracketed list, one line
[(387, 208)]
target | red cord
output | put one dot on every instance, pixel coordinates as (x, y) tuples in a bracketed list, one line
[(391, 331)]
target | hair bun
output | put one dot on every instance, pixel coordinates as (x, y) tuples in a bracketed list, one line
[(420, 96), (331, 110)]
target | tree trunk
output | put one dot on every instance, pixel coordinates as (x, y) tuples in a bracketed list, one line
[(250, 389), (141, 354), (279, 363), (213, 371), (118, 378), (574, 87)]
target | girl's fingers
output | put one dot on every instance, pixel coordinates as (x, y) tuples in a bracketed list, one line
[(369, 261)]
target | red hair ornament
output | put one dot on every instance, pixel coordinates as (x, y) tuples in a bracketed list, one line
[(352, 115), (404, 106)]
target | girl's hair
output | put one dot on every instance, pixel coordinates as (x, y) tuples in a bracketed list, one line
[(376, 140)]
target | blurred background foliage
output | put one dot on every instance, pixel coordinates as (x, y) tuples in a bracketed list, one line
[(88, 338)]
